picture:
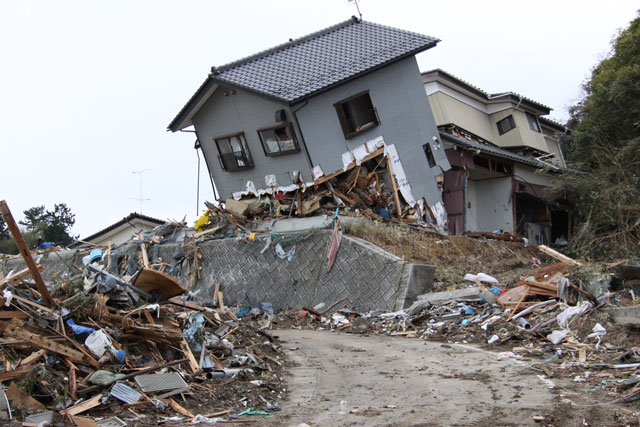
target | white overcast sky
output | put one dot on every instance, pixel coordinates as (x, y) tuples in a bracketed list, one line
[(87, 88)]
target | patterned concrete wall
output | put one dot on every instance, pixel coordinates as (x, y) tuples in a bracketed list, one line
[(369, 277)]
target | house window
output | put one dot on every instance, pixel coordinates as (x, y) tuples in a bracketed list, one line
[(506, 124), (533, 122), (278, 140), (233, 152), (429, 154), (356, 114)]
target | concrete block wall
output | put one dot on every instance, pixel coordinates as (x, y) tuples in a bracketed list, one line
[(369, 277)]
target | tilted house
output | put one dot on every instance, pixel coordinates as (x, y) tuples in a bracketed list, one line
[(295, 109), (495, 143)]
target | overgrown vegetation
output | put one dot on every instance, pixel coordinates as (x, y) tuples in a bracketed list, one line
[(604, 148)]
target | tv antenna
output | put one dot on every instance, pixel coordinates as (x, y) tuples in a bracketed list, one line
[(140, 199), (357, 7)]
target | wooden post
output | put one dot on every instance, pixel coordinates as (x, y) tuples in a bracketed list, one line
[(396, 199), (24, 251)]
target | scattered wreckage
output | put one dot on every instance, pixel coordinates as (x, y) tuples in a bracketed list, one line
[(569, 318), (97, 348)]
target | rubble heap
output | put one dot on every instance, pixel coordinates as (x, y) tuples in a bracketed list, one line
[(571, 317), (95, 348)]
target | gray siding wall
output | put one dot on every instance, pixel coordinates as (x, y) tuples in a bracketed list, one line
[(397, 93), (244, 112)]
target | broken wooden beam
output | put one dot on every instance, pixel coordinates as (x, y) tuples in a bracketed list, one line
[(26, 255), (38, 341), (557, 255), (18, 277)]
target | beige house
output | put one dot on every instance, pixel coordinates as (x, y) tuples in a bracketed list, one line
[(495, 144), (120, 232)]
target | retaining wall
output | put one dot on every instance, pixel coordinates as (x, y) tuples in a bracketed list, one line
[(367, 276)]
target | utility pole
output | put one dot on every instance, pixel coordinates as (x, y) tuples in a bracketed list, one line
[(140, 199)]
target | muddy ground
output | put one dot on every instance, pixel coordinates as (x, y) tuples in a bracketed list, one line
[(342, 379)]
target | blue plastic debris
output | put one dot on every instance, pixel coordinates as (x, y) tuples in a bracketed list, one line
[(79, 330)]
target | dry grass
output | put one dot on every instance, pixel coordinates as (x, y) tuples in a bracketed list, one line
[(453, 256)]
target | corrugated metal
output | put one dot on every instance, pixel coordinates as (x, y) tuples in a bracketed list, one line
[(154, 383), (125, 393)]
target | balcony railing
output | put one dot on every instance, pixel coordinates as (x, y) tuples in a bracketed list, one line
[(235, 161), (361, 122)]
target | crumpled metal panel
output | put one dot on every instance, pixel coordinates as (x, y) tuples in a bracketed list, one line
[(125, 393)]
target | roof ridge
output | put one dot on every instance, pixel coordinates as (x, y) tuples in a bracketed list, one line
[(283, 46)]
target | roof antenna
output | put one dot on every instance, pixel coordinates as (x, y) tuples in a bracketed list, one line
[(140, 199), (357, 7)]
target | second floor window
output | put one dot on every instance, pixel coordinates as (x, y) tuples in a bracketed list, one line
[(506, 124), (233, 152), (533, 122), (278, 140), (356, 114)]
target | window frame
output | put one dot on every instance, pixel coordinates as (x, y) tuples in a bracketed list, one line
[(509, 119), (347, 123), (289, 127), (431, 159), (533, 120), (244, 152)]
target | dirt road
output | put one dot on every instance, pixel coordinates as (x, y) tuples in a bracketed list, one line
[(343, 379)]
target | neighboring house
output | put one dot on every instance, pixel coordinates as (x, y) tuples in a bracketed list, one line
[(495, 143), (120, 232), (299, 106)]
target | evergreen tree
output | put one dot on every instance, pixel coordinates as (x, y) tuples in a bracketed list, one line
[(603, 148)]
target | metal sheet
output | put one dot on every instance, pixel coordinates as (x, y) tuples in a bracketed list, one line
[(125, 393), (44, 417), (111, 422), (154, 383)]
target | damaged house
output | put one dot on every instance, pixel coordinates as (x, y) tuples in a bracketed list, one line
[(495, 143), (292, 116)]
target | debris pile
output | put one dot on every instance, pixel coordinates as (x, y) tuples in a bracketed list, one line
[(570, 317), (369, 187), (96, 348)]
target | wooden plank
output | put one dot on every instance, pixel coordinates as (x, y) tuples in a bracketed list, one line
[(221, 302), (13, 315), (31, 303), (300, 210), (524, 295), (42, 342), (17, 277), (394, 185), (145, 255), (83, 406), (9, 375), (351, 165), (193, 363), (176, 407), (557, 255), (24, 251), (216, 291), (33, 357)]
